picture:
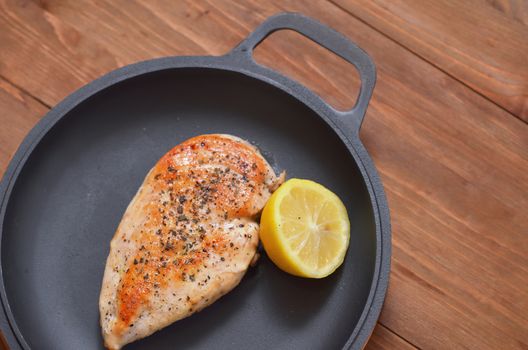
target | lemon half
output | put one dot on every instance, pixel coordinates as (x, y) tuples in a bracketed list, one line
[(305, 229)]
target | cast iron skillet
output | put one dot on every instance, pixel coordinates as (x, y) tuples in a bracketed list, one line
[(70, 181)]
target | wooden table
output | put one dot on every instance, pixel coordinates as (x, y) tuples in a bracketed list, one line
[(447, 129)]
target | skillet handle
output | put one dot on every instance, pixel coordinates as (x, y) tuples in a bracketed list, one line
[(329, 39)]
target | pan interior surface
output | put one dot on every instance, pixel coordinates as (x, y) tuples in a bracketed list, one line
[(76, 184)]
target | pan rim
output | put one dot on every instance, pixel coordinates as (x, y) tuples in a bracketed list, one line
[(370, 314)]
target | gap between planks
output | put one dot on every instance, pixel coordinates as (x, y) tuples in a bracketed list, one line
[(399, 336), (26, 93), (424, 59)]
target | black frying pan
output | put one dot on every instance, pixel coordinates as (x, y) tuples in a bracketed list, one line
[(70, 181)]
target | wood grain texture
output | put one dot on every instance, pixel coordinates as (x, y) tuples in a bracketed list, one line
[(384, 339), (311, 65), (470, 40), (514, 9), (20, 113), (454, 164)]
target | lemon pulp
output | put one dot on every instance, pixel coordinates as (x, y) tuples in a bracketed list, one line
[(305, 229)]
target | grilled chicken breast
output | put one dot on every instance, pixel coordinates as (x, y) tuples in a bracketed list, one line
[(187, 237)]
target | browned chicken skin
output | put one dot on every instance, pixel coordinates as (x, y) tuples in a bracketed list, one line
[(186, 238)]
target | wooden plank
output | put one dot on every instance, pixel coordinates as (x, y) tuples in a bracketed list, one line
[(384, 339), (470, 40), (313, 66), (20, 113), (453, 163), (108, 37), (89, 40)]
